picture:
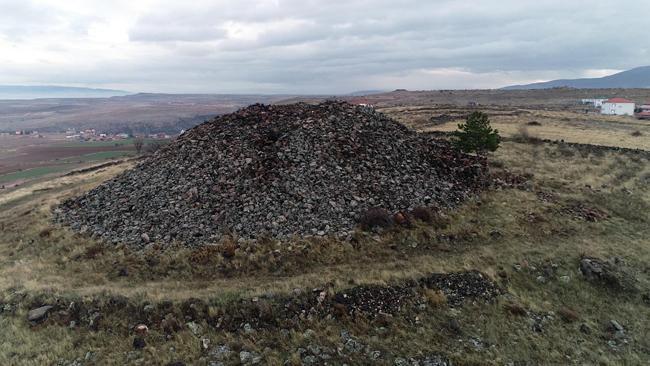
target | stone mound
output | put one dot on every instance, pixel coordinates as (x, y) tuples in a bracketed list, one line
[(278, 171)]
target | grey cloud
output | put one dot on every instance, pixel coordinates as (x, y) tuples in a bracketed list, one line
[(171, 32), (335, 46)]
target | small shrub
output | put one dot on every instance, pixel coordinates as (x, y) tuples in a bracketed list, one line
[(423, 214), (204, 254), (515, 309), (476, 135), (568, 315), (402, 218), (533, 123), (524, 136), (566, 151), (152, 147), (94, 251), (637, 133), (228, 248), (435, 298), (170, 324), (374, 218), (138, 143), (45, 232)]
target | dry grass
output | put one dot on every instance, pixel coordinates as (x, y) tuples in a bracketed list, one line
[(554, 125), (512, 235)]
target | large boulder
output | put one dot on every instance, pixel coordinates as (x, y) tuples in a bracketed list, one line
[(39, 314), (611, 273)]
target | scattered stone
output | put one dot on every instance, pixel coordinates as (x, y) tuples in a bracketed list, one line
[(194, 328), (249, 358), (221, 352), (454, 326), (314, 349), (581, 211), (148, 308), (309, 333), (39, 314), (205, 344), (565, 279), (458, 286), (399, 361), (374, 355), (350, 343), (94, 320), (245, 357), (616, 326), (141, 329)]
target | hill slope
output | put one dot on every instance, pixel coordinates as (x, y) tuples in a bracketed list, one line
[(635, 78), (49, 91)]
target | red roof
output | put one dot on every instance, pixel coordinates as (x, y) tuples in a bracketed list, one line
[(618, 100)]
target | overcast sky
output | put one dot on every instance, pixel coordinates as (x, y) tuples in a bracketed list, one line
[(316, 46)]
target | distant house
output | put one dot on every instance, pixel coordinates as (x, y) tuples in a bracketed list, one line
[(618, 106)]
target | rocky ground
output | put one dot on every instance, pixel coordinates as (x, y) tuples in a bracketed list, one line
[(277, 171), (281, 314)]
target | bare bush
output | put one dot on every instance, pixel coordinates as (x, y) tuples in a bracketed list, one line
[(152, 147), (524, 136), (138, 143), (375, 217), (423, 214)]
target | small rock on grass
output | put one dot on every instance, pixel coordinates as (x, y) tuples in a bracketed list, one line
[(194, 328), (39, 314)]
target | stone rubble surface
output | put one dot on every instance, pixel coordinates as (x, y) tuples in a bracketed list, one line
[(278, 171)]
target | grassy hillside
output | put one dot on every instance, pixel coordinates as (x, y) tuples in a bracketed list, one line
[(409, 293)]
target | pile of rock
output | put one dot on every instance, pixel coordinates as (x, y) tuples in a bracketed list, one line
[(276, 170)]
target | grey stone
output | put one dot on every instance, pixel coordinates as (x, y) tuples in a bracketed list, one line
[(195, 328), (221, 352), (616, 326), (39, 314)]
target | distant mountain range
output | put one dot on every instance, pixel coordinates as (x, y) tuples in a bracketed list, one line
[(50, 91), (635, 78)]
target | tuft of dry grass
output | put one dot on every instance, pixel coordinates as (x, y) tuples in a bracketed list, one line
[(435, 298), (568, 315)]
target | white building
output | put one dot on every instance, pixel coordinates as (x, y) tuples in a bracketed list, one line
[(595, 102), (618, 106)]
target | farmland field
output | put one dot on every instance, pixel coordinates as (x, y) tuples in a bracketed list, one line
[(25, 158)]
